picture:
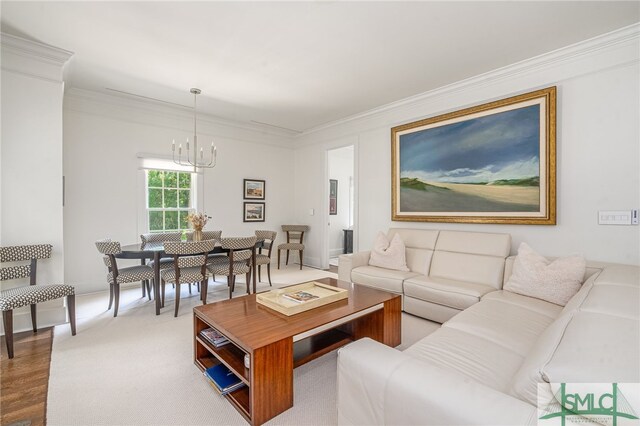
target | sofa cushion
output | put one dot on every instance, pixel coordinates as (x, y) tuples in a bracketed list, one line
[(419, 244), (385, 279), (620, 275), (477, 358), (511, 321), (596, 348), (611, 299), (388, 254), (482, 243), (550, 310), (455, 294), (555, 281), (524, 384), (482, 255), (477, 269)]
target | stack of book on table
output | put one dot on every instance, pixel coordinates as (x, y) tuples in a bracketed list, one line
[(222, 379), (212, 336)]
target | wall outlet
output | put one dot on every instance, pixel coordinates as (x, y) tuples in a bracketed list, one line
[(615, 217)]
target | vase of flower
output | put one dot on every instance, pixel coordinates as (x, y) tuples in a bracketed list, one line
[(197, 221)]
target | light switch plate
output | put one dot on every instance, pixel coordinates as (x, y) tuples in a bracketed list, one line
[(615, 217)]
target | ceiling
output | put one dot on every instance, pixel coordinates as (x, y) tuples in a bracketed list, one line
[(299, 65)]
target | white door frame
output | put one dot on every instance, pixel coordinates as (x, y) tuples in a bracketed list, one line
[(341, 143)]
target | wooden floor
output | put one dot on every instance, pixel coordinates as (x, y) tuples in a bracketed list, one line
[(24, 380)]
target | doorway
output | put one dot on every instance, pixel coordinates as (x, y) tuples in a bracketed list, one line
[(340, 203)]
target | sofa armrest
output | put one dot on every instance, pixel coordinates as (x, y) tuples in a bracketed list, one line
[(380, 385), (347, 262), (364, 367)]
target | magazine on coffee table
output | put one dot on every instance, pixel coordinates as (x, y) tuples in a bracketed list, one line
[(300, 296)]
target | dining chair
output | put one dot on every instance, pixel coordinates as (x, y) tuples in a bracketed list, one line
[(189, 266), (33, 293), (268, 238), (117, 276), (206, 235), (159, 237), (295, 237), (238, 260)]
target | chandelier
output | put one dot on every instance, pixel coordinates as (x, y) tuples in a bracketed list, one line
[(196, 160)]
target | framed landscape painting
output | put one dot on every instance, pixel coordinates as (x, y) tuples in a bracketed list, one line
[(253, 212), (254, 189), (492, 163)]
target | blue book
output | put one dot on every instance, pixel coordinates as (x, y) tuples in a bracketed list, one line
[(223, 378)]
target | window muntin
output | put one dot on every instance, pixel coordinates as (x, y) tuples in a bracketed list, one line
[(169, 199)]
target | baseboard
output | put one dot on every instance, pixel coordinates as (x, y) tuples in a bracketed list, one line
[(314, 262), (336, 252), (48, 314)]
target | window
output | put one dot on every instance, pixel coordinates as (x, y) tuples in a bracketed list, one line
[(169, 199)]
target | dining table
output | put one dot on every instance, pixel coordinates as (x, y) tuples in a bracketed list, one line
[(155, 251)]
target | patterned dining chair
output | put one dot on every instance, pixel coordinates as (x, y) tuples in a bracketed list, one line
[(189, 266), (32, 294), (206, 235), (295, 237), (160, 237), (268, 238), (117, 276), (237, 262)]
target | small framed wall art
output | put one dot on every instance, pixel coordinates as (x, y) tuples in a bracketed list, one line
[(333, 197), (254, 189), (253, 212)]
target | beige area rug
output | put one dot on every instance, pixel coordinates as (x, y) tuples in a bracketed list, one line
[(137, 369)]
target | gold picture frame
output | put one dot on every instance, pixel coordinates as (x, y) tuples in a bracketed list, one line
[(490, 163)]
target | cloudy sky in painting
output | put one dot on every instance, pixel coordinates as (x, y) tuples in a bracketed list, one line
[(484, 149)]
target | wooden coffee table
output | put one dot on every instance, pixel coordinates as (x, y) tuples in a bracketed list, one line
[(277, 343)]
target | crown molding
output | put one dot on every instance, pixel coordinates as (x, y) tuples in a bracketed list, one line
[(556, 57), (33, 58), (157, 113)]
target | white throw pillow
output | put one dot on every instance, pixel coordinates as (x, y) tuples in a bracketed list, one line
[(554, 281), (390, 255)]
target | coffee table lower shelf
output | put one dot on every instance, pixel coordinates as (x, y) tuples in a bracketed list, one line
[(269, 380), (313, 347)]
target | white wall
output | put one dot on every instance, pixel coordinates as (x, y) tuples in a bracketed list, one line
[(102, 137), (340, 162), (31, 163), (598, 154)]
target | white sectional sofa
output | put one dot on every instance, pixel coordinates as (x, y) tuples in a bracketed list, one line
[(448, 270), (484, 364)]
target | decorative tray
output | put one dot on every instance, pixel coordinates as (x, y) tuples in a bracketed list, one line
[(301, 297)]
